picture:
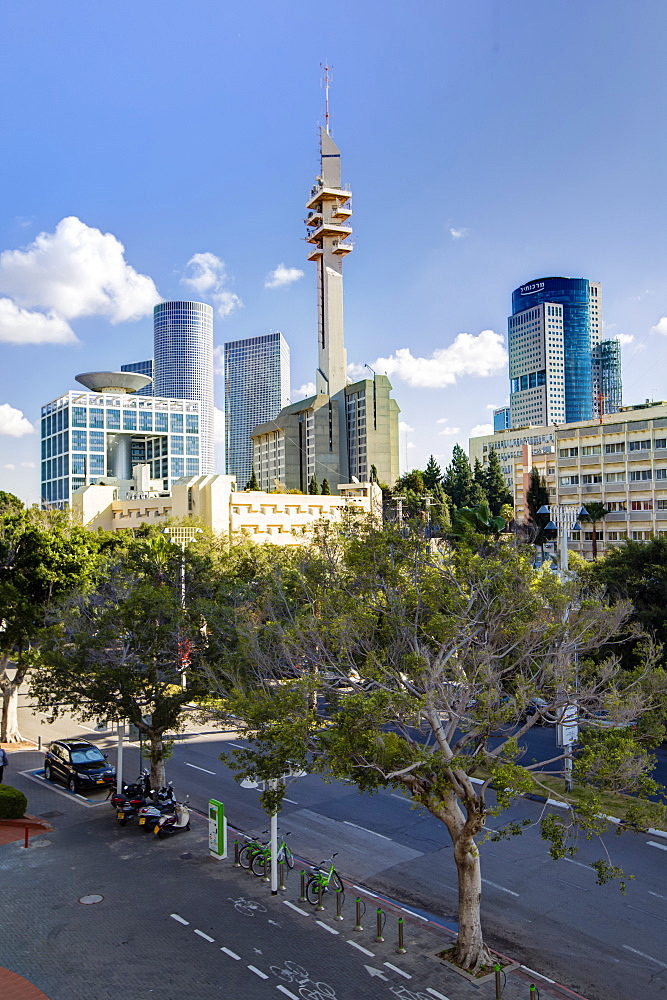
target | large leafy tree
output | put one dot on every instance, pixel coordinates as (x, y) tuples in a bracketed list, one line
[(126, 650), (497, 494), (42, 558), (458, 482), (456, 643), (424, 502)]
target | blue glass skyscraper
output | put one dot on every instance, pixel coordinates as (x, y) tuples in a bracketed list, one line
[(554, 345), (183, 343)]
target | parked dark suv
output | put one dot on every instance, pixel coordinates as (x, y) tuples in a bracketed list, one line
[(78, 764)]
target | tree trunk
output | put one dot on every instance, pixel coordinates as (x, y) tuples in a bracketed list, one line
[(595, 541), (9, 727), (470, 951), (157, 759)]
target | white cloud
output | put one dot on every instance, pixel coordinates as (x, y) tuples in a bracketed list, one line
[(482, 355), (209, 279), (404, 428), (307, 389), (13, 423), (28, 465), (10, 466), (456, 234), (447, 430), (661, 326), (21, 326), (282, 276), (76, 271), (479, 430), (625, 338)]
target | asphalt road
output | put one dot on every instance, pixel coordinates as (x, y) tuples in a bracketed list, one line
[(551, 915)]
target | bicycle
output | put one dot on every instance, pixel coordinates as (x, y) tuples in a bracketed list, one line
[(297, 975), (321, 878), (248, 851), (261, 858)]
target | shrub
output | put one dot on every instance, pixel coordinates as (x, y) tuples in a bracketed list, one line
[(13, 803)]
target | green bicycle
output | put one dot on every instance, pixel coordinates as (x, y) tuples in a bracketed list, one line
[(256, 855), (325, 879)]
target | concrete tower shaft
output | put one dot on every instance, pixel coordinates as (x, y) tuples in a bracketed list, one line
[(329, 212)]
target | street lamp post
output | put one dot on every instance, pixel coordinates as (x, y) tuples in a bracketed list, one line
[(182, 536), (564, 517)]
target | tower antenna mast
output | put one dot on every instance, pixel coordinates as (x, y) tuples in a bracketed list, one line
[(327, 81)]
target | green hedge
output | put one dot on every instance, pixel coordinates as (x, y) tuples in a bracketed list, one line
[(13, 803)]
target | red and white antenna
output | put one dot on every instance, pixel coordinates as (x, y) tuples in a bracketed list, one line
[(327, 81)]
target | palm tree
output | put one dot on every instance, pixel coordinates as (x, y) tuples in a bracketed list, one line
[(596, 515)]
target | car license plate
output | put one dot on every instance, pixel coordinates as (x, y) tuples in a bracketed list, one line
[(157, 827), (100, 781), (142, 820), (120, 814)]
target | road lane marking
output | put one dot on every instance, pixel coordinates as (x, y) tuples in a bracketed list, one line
[(395, 968), (434, 993), (580, 863), (347, 823), (237, 746), (232, 954), (413, 913), (501, 887), (298, 909), (258, 972), (175, 916), (198, 768), (401, 798), (360, 948), (283, 989), (538, 974), (656, 894), (205, 936), (661, 847), (290, 800), (648, 957), (365, 891), (331, 930), (647, 912)]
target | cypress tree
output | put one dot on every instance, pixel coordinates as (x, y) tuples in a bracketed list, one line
[(252, 483), (313, 486), (432, 474), (497, 493), (326, 489), (458, 481)]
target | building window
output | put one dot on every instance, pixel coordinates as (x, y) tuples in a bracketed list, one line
[(641, 505), (615, 477), (113, 420), (641, 536), (660, 443), (613, 449), (191, 445), (96, 417), (591, 449), (616, 505), (177, 467), (640, 475), (639, 445), (588, 479), (568, 452), (177, 423), (616, 536), (192, 423), (177, 444), (161, 423), (145, 420), (79, 440), (78, 416), (96, 441), (96, 465), (129, 420), (569, 480)]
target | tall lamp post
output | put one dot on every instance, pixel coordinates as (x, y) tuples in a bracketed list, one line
[(182, 536), (564, 518)]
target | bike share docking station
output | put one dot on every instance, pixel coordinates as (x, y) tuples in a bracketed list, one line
[(217, 830)]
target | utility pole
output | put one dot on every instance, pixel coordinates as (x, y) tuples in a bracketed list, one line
[(182, 536)]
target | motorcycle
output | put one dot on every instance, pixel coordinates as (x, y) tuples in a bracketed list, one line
[(132, 797), (163, 801), (171, 822)]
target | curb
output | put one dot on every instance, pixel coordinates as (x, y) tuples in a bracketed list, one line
[(26, 820)]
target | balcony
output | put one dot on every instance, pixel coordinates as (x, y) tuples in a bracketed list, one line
[(340, 248), (328, 229), (315, 253), (341, 212), (327, 194)]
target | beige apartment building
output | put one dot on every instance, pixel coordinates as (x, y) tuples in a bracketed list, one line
[(214, 501), (620, 462)]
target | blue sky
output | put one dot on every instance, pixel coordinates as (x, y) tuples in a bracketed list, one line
[(485, 143)]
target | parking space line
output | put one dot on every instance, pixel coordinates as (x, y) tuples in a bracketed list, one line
[(198, 768), (204, 936), (63, 791), (357, 827), (258, 972), (501, 887), (331, 930), (298, 909), (661, 847), (232, 954), (360, 948), (283, 989), (395, 968), (643, 955), (175, 916), (434, 993)]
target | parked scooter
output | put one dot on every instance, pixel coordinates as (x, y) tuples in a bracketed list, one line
[(170, 822), (162, 801), (132, 797)]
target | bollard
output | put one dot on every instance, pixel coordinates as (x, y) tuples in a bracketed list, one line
[(266, 877), (281, 877), (39, 743), (339, 905), (499, 993), (357, 926), (379, 915), (320, 890), (401, 940), (237, 850), (27, 834), (302, 897), (533, 992)]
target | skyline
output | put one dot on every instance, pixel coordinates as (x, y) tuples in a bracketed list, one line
[(485, 148)]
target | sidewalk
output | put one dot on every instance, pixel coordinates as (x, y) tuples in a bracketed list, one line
[(103, 911)]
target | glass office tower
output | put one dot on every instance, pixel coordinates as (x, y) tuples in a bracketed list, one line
[(183, 363), (556, 321), (257, 377), (142, 368)]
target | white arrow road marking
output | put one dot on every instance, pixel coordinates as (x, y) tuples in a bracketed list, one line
[(661, 847), (175, 916), (205, 769), (205, 936), (283, 989), (375, 972), (394, 968), (232, 954), (258, 972)]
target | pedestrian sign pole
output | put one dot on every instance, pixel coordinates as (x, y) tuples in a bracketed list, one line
[(217, 830)]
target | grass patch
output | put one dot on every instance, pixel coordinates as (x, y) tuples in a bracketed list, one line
[(611, 803)]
